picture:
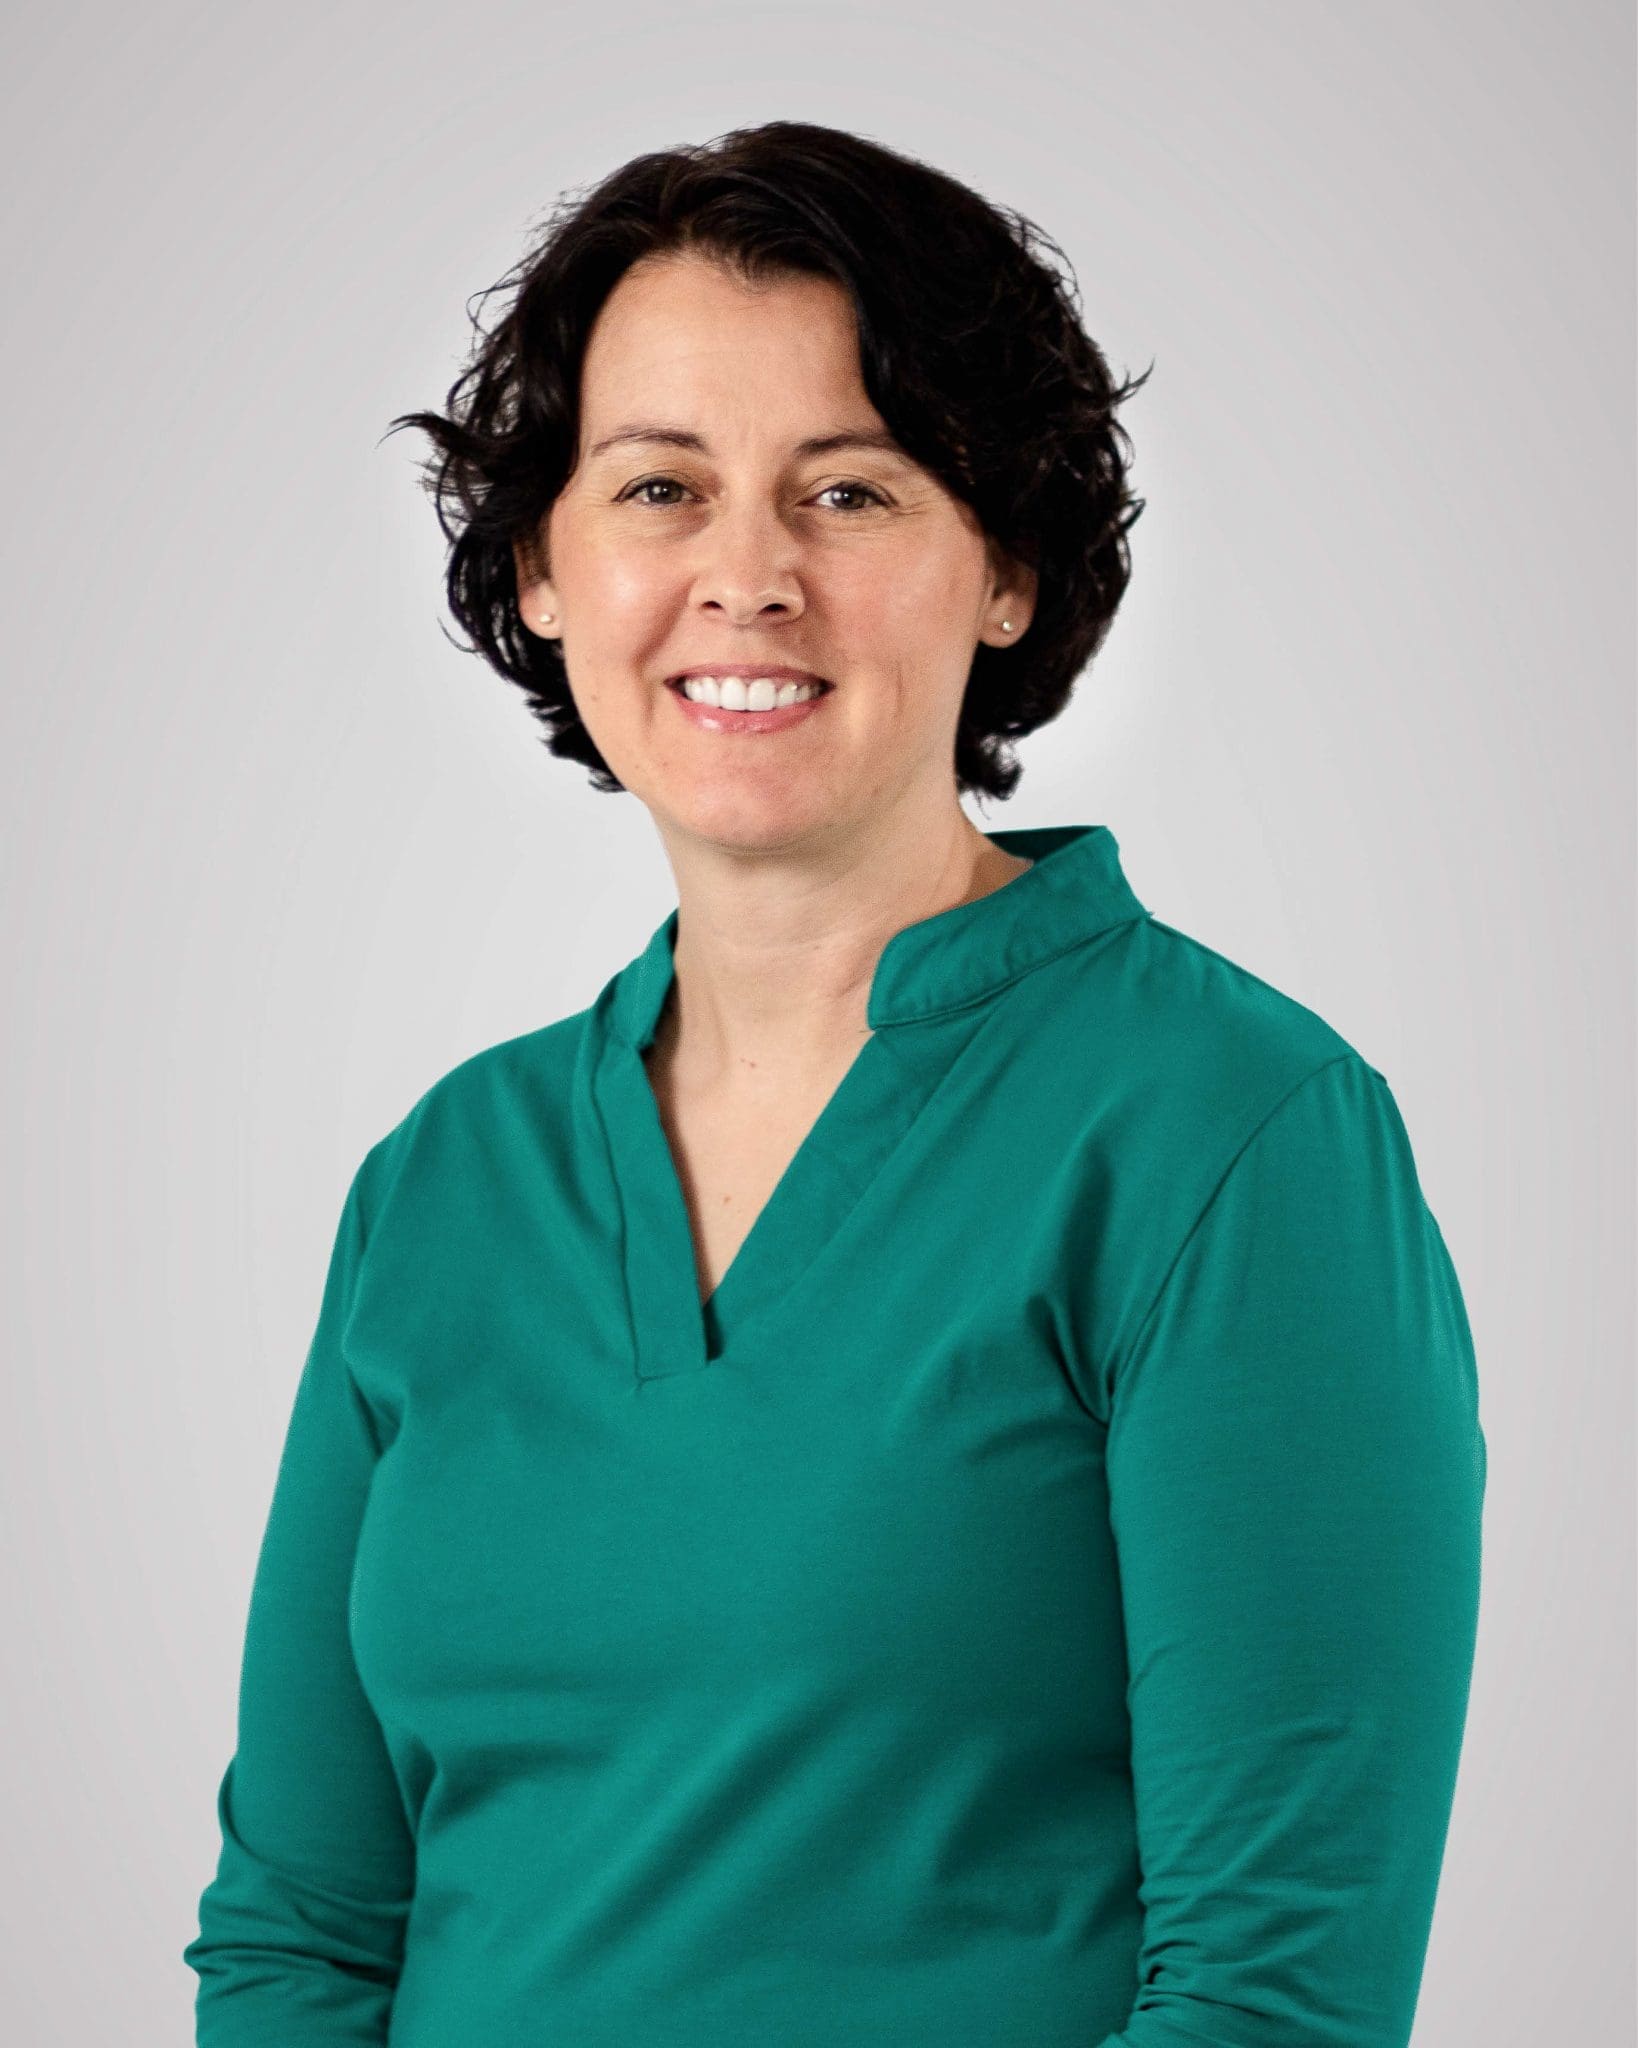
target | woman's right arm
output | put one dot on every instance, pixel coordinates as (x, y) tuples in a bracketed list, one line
[(301, 1931)]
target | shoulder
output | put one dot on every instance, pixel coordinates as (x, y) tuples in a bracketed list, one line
[(1170, 1033), (1212, 1015), (510, 1094), (1189, 1075)]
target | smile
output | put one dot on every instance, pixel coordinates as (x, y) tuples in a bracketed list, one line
[(747, 693), (746, 704)]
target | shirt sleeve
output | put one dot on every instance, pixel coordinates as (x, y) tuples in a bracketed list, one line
[(301, 1930), (1296, 1474)]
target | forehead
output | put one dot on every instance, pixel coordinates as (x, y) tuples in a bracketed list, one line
[(687, 339)]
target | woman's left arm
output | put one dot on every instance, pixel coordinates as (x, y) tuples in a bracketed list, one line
[(1296, 1474)]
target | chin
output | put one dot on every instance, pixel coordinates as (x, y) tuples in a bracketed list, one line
[(748, 819)]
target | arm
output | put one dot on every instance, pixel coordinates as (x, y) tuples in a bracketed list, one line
[(301, 1930), (1296, 1475)]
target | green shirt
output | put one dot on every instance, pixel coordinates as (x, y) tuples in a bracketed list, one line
[(1030, 1605)]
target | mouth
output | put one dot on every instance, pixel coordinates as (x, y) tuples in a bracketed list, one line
[(746, 701), (743, 689)]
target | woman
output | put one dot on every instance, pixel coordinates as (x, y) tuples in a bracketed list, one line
[(912, 1474)]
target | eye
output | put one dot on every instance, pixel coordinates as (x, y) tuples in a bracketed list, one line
[(649, 483), (868, 490), (635, 492)]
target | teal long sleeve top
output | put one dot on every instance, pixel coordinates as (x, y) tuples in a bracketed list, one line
[(1030, 1604)]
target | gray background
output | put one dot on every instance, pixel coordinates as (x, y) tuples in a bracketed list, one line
[(281, 855)]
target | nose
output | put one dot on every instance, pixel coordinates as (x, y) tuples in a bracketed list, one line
[(750, 567)]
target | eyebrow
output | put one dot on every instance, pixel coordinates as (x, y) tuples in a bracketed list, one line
[(819, 444)]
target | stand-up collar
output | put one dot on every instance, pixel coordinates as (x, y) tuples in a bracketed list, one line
[(1075, 891)]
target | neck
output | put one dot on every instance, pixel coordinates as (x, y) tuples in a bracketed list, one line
[(775, 951)]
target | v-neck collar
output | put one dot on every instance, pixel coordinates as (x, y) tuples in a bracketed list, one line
[(944, 967)]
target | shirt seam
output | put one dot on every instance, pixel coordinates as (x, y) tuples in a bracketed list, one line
[(1119, 1365), (363, 1206)]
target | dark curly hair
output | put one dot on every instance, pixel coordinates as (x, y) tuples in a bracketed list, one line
[(971, 349)]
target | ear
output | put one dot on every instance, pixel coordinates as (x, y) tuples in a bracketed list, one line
[(1013, 589), (536, 596)]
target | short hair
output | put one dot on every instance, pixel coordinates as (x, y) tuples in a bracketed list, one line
[(971, 349)]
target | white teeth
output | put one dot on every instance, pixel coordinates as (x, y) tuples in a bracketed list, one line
[(741, 693)]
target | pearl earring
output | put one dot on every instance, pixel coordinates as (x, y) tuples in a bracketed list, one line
[(546, 618), (1006, 625)]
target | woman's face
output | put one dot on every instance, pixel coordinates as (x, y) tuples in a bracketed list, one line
[(699, 532)]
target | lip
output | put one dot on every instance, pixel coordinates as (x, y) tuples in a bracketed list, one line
[(747, 724)]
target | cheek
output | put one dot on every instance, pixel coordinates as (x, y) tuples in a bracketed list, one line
[(631, 590), (910, 626), (607, 587), (620, 613), (906, 597)]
